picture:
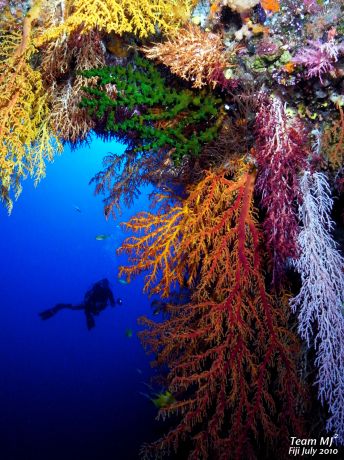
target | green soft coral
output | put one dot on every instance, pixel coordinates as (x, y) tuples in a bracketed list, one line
[(161, 117)]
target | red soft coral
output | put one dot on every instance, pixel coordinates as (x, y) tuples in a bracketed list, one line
[(280, 151), (230, 358)]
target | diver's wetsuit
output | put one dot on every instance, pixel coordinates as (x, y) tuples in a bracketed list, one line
[(95, 300)]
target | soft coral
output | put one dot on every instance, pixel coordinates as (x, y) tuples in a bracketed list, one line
[(280, 152), (318, 58)]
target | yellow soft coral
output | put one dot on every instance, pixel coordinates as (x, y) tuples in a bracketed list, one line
[(25, 137), (140, 18)]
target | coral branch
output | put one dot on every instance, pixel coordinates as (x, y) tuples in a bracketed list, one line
[(192, 54), (150, 114), (26, 139), (281, 151), (333, 141), (139, 18), (321, 298), (156, 251), (219, 367), (318, 58), (69, 120)]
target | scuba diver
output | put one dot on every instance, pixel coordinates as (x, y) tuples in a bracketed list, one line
[(95, 300)]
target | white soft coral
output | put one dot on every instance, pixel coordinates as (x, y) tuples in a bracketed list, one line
[(321, 297), (241, 6)]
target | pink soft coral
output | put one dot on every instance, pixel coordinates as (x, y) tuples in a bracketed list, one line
[(318, 57)]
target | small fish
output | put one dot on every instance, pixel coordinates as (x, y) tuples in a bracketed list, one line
[(163, 399), (102, 237), (77, 209), (119, 301), (129, 333), (139, 371), (122, 281)]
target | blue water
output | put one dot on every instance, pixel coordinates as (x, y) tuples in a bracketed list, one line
[(66, 392)]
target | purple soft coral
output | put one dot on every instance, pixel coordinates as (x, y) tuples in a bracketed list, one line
[(312, 6), (318, 57)]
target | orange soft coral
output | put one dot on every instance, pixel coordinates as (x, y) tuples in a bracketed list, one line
[(156, 250), (333, 141), (192, 54), (270, 5), (224, 345)]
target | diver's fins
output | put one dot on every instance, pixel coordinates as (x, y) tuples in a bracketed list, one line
[(46, 314)]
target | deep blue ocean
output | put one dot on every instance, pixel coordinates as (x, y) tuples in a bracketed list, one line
[(67, 393)]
